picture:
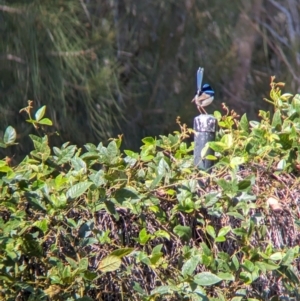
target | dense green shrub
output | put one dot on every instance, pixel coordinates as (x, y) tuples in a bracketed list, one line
[(101, 225)]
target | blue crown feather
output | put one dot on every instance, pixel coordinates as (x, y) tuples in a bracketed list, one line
[(207, 90)]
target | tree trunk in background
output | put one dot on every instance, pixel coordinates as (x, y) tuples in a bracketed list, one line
[(243, 45)]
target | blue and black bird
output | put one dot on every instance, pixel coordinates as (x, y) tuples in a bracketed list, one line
[(205, 95)]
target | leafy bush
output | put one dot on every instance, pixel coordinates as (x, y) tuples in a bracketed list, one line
[(102, 225)]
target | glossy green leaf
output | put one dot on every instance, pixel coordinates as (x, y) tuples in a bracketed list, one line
[(206, 279), (144, 236), (248, 265), (223, 231), (83, 264), (40, 113), (10, 136), (122, 252), (288, 258), (226, 276), (235, 262), (109, 264), (45, 121), (163, 234), (211, 231), (190, 265), (277, 256), (42, 224), (183, 232), (276, 121), (78, 189), (244, 124)]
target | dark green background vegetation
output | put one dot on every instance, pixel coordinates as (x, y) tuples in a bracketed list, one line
[(125, 66)]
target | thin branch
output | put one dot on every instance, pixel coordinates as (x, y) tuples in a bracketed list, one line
[(12, 57), (295, 13), (291, 29), (286, 61), (85, 10), (283, 40), (10, 9), (281, 55), (71, 53)]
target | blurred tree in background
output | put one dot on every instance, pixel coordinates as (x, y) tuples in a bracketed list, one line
[(105, 67)]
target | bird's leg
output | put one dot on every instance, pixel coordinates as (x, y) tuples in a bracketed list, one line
[(201, 108)]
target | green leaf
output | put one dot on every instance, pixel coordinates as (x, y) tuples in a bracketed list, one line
[(66, 272), (10, 136), (127, 194), (248, 265), (72, 262), (143, 236), (220, 239), (112, 151), (43, 225), (5, 169), (65, 154), (240, 232), (40, 113), (277, 256), (244, 185), (148, 141), (211, 199), (276, 119), (227, 139), (157, 249), (45, 121), (244, 124), (206, 279), (156, 181), (90, 276), (137, 287), (162, 167), (83, 264), (183, 232), (211, 231), (246, 277), (236, 161), (109, 264), (223, 231), (190, 265), (131, 154), (78, 189), (154, 259), (211, 157), (288, 258), (122, 252), (218, 146), (281, 164), (235, 262), (42, 149), (226, 276), (98, 178), (264, 266), (164, 289), (78, 164), (162, 233), (236, 215)]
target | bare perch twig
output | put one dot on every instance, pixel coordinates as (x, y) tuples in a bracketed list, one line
[(10, 9), (12, 57)]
